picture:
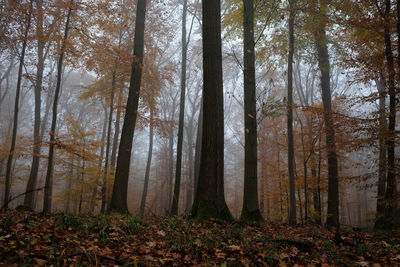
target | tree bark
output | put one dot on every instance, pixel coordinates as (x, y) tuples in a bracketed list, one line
[(49, 175), (178, 170), (197, 153), (148, 165), (210, 199), (16, 109), (108, 145), (32, 181), (324, 67), (292, 207), (250, 210), (387, 221), (120, 189), (380, 207)]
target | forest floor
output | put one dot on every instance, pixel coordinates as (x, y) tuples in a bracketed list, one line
[(28, 239)]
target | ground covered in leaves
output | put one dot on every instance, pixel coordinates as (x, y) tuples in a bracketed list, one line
[(28, 239)]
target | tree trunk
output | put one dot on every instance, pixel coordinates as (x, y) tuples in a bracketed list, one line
[(380, 207), (387, 221), (178, 170), (16, 109), (324, 67), (148, 165), (108, 144), (197, 153), (189, 190), (117, 129), (120, 189), (49, 175), (32, 181), (210, 199), (170, 164), (250, 210), (292, 207)]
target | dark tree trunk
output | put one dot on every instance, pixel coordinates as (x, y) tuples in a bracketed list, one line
[(380, 207), (120, 189), (49, 175), (324, 67), (148, 165), (108, 145), (178, 170), (189, 189), (210, 199), (16, 109), (292, 207), (32, 181), (387, 221), (250, 210)]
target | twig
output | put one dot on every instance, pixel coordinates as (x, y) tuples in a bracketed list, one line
[(13, 198)]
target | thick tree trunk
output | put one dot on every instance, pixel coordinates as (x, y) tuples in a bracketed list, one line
[(120, 189), (148, 165), (324, 67), (250, 210), (16, 109), (49, 175), (32, 181), (387, 221), (292, 207), (210, 199), (108, 145), (178, 170)]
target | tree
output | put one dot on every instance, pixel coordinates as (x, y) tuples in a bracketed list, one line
[(16, 107), (148, 164), (175, 196), (210, 199), (250, 210), (292, 208), (49, 174), (321, 45), (29, 197), (120, 189)]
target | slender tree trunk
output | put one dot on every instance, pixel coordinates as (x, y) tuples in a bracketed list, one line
[(250, 210), (197, 154), (175, 197), (103, 138), (292, 207), (380, 207), (117, 129), (108, 145), (324, 67), (32, 181), (49, 175), (148, 165), (120, 189), (170, 164), (189, 190), (210, 198), (69, 186), (16, 109), (82, 182)]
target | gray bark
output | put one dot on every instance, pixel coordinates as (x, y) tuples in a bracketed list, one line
[(120, 189), (49, 175)]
